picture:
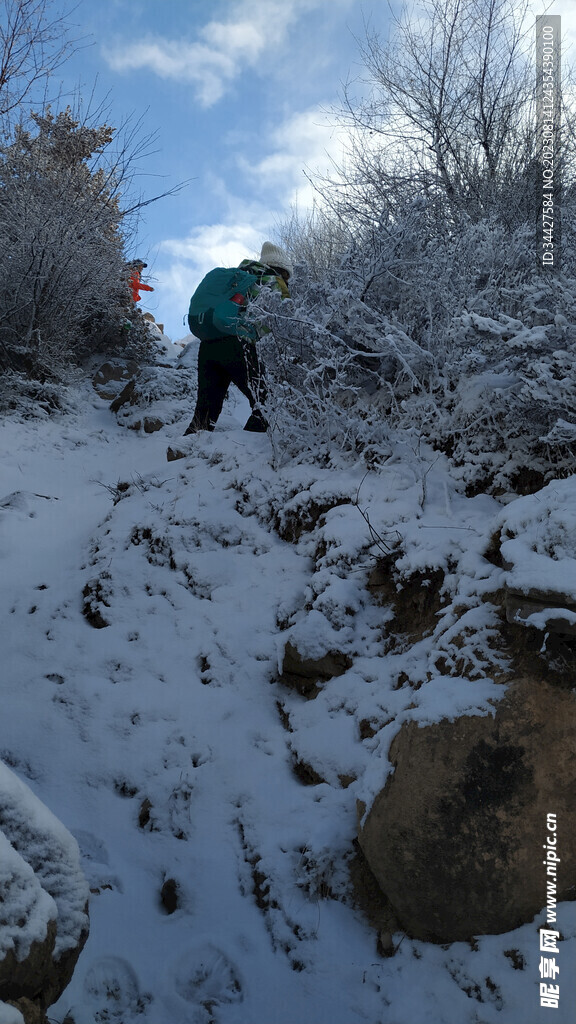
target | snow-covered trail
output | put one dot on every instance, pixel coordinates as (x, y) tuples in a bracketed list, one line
[(141, 607), (156, 739)]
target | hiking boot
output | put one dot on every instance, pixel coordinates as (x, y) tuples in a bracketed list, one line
[(195, 429), (256, 422)]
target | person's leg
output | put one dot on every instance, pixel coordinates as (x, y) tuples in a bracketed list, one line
[(247, 374), (213, 382)]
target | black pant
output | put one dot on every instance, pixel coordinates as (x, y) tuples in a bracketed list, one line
[(222, 362)]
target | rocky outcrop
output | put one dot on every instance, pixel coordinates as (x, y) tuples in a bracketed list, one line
[(148, 401), (306, 674), (549, 612), (535, 545), (126, 395), (415, 600), (112, 376), (43, 901), (459, 839), (130, 395)]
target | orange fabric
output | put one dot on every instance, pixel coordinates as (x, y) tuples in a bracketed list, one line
[(136, 285)]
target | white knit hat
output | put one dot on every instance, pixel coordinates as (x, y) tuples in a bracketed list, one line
[(272, 256)]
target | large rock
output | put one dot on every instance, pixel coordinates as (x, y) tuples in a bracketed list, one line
[(43, 901), (111, 377), (535, 544), (549, 612), (306, 674), (457, 837), (313, 655)]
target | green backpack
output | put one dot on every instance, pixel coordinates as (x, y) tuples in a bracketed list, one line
[(218, 304)]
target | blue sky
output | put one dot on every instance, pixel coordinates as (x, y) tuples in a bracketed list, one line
[(238, 93)]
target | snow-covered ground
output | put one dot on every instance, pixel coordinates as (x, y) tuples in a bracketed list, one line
[(164, 743)]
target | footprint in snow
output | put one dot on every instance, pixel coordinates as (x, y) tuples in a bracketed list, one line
[(91, 847), (95, 862), (111, 988), (181, 752), (204, 977)]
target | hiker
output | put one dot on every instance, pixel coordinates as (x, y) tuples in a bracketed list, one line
[(134, 283), (227, 353)]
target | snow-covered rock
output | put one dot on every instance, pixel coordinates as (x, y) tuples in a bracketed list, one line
[(457, 839), (312, 655), (537, 547), (43, 899), (112, 376)]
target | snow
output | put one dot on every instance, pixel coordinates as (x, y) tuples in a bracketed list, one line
[(539, 541), (27, 909), (10, 1015), (157, 739), (40, 877)]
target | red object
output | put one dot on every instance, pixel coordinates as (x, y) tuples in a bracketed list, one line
[(239, 299), (136, 285)]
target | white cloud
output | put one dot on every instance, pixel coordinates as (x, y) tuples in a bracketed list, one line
[(223, 50), (305, 141), (185, 62), (212, 245)]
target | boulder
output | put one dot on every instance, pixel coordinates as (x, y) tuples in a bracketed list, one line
[(149, 424), (549, 612), (112, 376), (131, 396), (126, 396), (43, 901), (306, 674), (457, 839)]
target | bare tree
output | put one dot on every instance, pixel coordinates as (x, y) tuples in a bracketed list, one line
[(451, 111), (422, 263), (33, 44)]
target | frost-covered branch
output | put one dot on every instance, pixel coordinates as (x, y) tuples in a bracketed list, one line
[(33, 44)]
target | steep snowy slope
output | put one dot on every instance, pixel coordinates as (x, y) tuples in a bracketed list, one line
[(145, 609)]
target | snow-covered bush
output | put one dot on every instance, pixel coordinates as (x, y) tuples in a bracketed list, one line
[(509, 392), (420, 308), (367, 345), (27, 398), (63, 289), (340, 358), (457, 340)]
